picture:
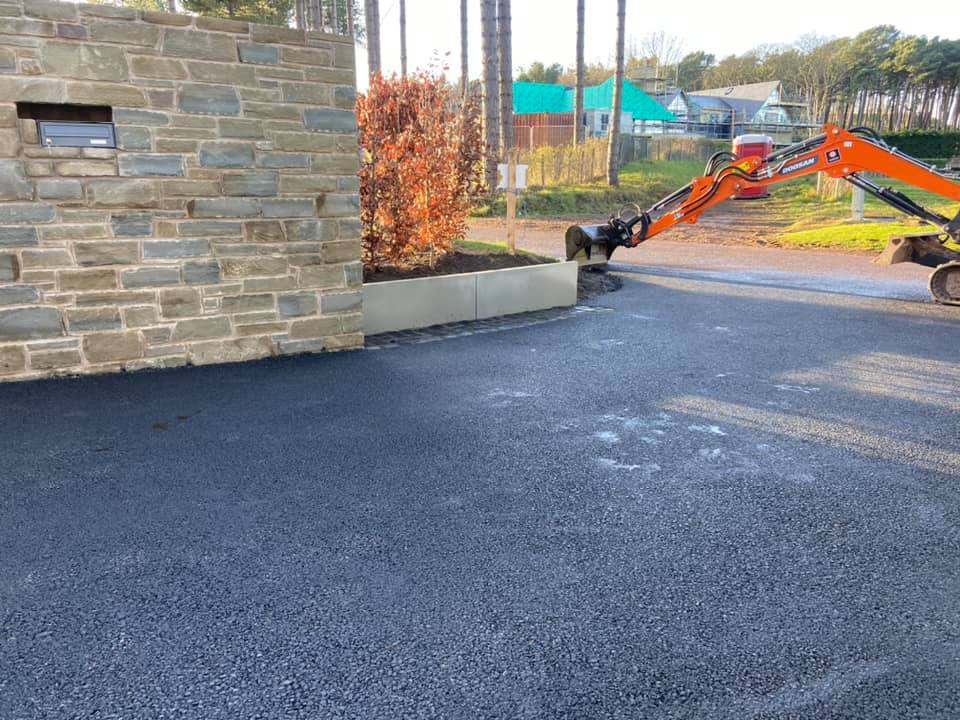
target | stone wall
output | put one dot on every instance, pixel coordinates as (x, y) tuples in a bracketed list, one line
[(225, 225)]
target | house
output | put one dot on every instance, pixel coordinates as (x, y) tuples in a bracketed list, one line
[(762, 102), (543, 113)]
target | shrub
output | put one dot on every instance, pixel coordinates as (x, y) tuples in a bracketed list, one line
[(421, 168), (926, 143)]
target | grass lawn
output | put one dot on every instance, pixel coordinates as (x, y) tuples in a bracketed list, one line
[(798, 217), (485, 248)]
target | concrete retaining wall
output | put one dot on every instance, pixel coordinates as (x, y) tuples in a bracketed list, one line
[(422, 302), (225, 225)]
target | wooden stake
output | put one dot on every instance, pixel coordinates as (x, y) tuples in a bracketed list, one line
[(512, 202)]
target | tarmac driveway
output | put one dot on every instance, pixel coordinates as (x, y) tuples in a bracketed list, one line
[(708, 500)]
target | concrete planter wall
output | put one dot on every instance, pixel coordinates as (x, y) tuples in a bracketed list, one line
[(422, 302)]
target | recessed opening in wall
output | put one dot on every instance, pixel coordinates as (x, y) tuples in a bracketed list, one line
[(71, 125)]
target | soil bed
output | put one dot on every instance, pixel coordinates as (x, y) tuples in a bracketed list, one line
[(458, 261)]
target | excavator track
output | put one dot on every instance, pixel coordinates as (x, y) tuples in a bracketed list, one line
[(945, 283)]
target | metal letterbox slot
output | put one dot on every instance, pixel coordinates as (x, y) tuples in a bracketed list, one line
[(77, 134)]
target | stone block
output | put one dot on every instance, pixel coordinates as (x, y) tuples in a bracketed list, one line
[(150, 277), (256, 184), (123, 193), (199, 45), (41, 90), (81, 61), (349, 229), (336, 164), (138, 317), (305, 93), (68, 233), (340, 251), (343, 56), (354, 274), (18, 295), (55, 359), (341, 302), (8, 61), (307, 56), (322, 276), (304, 142), (257, 54), (222, 25), (71, 32), (8, 115), (284, 160), (14, 184), (86, 168), (132, 225), (114, 94), (121, 297), (126, 33), (233, 75), (277, 34), (148, 66), (247, 303), (47, 258), (302, 184), (50, 10), (250, 129), (345, 96), (109, 11), (336, 205), (174, 145), (112, 346), (273, 284), (297, 305), (223, 208), (201, 272), (204, 228), (292, 208), (17, 26), (59, 189), (201, 329), (162, 18), (330, 120), (9, 268), (191, 188), (82, 280), (209, 100), (25, 214), (227, 351), (253, 266), (18, 237), (13, 360), (226, 155), (151, 165), (297, 347), (133, 138), (29, 323), (180, 303), (305, 231), (175, 248), (348, 184), (95, 319), (317, 327), (337, 76), (112, 252), (272, 111), (264, 231), (141, 117)]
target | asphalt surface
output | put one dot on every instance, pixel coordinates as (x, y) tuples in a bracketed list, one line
[(708, 500)]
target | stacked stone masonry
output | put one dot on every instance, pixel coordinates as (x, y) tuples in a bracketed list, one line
[(224, 227)]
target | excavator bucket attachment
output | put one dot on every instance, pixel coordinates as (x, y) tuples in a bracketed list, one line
[(590, 239), (927, 249)]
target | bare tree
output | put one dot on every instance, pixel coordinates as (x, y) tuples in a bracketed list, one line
[(299, 15), (666, 50), (613, 148), (464, 65), (372, 20), (403, 37), (505, 43), (578, 109), (491, 96)]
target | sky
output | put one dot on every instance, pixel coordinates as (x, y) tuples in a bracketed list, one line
[(545, 30)]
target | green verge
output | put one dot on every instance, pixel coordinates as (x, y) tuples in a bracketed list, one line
[(477, 247)]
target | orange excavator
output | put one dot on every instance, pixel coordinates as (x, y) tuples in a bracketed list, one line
[(846, 154)]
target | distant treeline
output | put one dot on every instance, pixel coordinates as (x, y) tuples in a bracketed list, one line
[(882, 77)]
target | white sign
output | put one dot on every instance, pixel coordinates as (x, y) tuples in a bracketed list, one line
[(503, 169)]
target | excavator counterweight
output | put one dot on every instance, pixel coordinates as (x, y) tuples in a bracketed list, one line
[(842, 154)]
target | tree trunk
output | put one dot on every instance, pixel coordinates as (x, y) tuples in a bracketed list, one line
[(298, 12), (505, 43), (372, 19), (613, 147), (464, 64), (171, 6), (491, 96), (578, 102), (403, 38), (954, 109)]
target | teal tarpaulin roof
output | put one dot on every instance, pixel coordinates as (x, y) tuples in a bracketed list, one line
[(544, 98)]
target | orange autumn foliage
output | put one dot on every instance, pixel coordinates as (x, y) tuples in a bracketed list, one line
[(421, 168)]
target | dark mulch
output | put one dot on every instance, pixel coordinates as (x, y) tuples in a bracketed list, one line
[(593, 282), (455, 262)]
